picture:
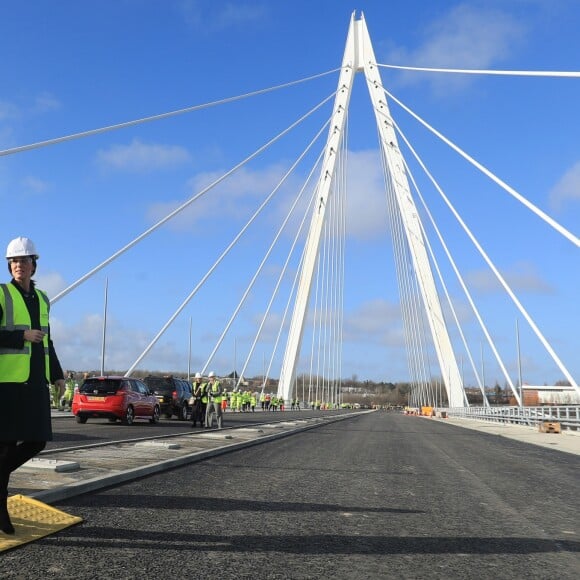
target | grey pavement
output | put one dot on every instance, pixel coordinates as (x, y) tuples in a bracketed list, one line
[(566, 441)]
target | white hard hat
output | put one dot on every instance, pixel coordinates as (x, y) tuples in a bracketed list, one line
[(198, 375), (211, 374), (21, 247)]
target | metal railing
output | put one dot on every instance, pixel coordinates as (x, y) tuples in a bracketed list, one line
[(567, 415)]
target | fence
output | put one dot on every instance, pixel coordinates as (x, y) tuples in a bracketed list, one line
[(567, 415)]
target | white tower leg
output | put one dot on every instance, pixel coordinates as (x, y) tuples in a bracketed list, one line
[(336, 131)]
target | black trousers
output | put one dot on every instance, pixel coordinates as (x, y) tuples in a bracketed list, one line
[(13, 454)]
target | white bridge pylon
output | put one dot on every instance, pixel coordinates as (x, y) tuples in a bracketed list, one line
[(359, 57)]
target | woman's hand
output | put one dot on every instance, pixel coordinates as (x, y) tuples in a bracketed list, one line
[(34, 335)]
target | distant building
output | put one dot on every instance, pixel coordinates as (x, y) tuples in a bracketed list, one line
[(534, 396)]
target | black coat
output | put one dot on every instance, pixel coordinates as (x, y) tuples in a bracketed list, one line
[(25, 407)]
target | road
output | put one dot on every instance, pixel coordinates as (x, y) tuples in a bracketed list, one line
[(68, 433), (381, 495)]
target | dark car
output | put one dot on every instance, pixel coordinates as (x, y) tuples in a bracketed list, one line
[(115, 398), (172, 394)]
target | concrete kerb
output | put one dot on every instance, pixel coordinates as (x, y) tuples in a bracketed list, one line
[(81, 487)]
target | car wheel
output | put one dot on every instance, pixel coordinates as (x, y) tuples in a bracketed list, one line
[(155, 416), (129, 416), (81, 419), (183, 412)]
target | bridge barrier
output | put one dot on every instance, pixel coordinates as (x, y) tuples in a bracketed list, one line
[(567, 416)]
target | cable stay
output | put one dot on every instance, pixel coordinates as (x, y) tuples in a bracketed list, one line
[(505, 285), (211, 270), (330, 335), (541, 214), (269, 251), (283, 271), (158, 117), (183, 206), (441, 278), (514, 73), (329, 277), (291, 295), (314, 335), (411, 307), (460, 278)]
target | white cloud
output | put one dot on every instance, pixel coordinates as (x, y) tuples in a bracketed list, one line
[(51, 282), (366, 209), (33, 186), (79, 346), (8, 111), (521, 277), (142, 157), (234, 14), (467, 37), (567, 189), (46, 102), (11, 113), (240, 195), (375, 321), (6, 137), (211, 16), (236, 196)]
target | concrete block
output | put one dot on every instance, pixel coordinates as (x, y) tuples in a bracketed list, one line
[(550, 427), (57, 465)]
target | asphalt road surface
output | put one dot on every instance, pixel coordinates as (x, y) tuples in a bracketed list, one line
[(381, 495), (68, 433)]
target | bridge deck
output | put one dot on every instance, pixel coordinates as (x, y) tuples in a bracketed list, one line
[(380, 495)]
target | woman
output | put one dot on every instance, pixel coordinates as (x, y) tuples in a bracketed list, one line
[(28, 363)]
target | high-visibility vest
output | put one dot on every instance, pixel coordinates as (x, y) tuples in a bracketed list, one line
[(215, 388), (15, 363), (203, 391)]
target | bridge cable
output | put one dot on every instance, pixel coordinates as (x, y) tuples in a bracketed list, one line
[(206, 276), (528, 73), (292, 293), (284, 268), (332, 234), (439, 273), (550, 221), (187, 203), (270, 249), (418, 361), (90, 132), (502, 281), (460, 278), (339, 286)]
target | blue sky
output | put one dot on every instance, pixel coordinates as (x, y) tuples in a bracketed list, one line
[(72, 66)]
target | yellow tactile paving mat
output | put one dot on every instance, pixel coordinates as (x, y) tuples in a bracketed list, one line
[(33, 520)]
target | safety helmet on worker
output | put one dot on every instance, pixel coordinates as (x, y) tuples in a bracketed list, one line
[(211, 375), (198, 375), (20, 247)]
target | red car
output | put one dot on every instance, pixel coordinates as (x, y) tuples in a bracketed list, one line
[(115, 398)]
